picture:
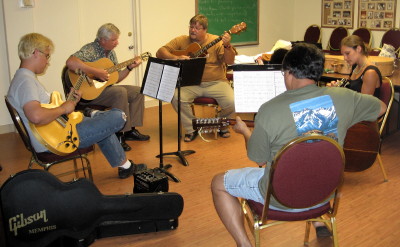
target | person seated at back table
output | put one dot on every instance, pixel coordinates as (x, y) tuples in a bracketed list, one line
[(26, 95), (213, 83), (275, 125), (364, 77)]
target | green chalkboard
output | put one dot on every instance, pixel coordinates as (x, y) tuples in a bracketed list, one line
[(223, 14)]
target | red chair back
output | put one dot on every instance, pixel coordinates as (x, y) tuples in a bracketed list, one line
[(307, 171), (336, 38), (391, 37), (364, 34), (313, 34)]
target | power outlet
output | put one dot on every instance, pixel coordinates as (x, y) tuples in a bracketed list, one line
[(26, 3)]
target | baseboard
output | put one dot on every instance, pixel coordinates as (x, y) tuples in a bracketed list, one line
[(7, 128)]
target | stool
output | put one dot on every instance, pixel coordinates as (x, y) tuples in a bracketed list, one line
[(206, 101)]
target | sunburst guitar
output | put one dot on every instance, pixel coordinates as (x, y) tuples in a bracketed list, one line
[(92, 88), (60, 135)]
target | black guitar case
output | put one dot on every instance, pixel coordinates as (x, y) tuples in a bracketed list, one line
[(40, 210)]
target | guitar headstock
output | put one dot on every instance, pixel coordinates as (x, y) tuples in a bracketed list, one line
[(209, 123), (145, 56), (238, 28)]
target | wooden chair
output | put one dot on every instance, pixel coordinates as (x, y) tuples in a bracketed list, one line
[(313, 34), (336, 38), (364, 34), (305, 173), (48, 159)]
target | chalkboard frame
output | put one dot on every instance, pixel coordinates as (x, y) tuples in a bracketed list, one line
[(252, 39)]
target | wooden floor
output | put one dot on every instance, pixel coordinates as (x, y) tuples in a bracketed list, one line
[(368, 215)]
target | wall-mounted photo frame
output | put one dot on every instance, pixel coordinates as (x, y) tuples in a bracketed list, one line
[(377, 15), (337, 13)]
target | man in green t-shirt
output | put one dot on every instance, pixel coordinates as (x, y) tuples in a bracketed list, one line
[(282, 119)]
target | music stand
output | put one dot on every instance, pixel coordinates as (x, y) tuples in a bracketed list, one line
[(191, 72), (159, 82)]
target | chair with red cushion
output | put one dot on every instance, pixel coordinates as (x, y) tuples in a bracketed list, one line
[(47, 159), (364, 34), (305, 173), (313, 34), (386, 96), (392, 37), (336, 38)]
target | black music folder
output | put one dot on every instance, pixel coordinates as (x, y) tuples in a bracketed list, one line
[(162, 76), (255, 85)]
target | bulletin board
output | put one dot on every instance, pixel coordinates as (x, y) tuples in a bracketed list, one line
[(337, 13), (223, 15), (377, 15)]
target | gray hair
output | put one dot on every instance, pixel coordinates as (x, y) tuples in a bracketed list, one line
[(106, 30)]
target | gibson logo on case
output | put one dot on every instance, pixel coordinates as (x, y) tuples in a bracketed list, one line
[(20, 221)]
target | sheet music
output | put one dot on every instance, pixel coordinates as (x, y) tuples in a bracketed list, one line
[(153, 79), (254, 88), (168, 83)]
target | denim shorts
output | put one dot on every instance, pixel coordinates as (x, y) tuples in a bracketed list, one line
[(243, 183)]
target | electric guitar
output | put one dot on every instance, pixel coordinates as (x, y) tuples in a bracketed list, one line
[(195, 50), (207, 125), (60, 135), (94, 87)]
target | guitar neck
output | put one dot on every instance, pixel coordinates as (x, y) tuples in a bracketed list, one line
[(216, 123), (121, 65), (206, 47), (77, 86)]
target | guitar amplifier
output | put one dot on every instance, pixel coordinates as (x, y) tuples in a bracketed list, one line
[(150, 180)]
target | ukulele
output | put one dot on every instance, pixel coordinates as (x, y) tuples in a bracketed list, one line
[(207, 125), (195, 50), (60, 135), (95, 87)]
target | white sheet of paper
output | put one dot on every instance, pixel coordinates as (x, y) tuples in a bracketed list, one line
[(153, 79), (254, 88), (168, 83)]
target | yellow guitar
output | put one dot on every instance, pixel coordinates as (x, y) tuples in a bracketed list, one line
[(93, 88), (60, 136), (195, 50)]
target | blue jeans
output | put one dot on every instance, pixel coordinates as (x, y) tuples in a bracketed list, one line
[(101, 129)]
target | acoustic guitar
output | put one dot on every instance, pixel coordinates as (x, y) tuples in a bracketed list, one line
[(94, 87), (195, 50), (60, 136)]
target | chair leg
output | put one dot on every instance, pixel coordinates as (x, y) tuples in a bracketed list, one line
[(307, 234), (76, 170), (334, 232), (385, 178)]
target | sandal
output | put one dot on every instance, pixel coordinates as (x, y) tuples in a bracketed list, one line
[(224, 133), (191, 136)]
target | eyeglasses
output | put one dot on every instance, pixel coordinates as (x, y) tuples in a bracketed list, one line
[(196, 28), (45, 54)]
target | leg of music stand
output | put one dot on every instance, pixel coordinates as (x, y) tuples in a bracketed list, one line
[(162, 168), (181, 154)]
